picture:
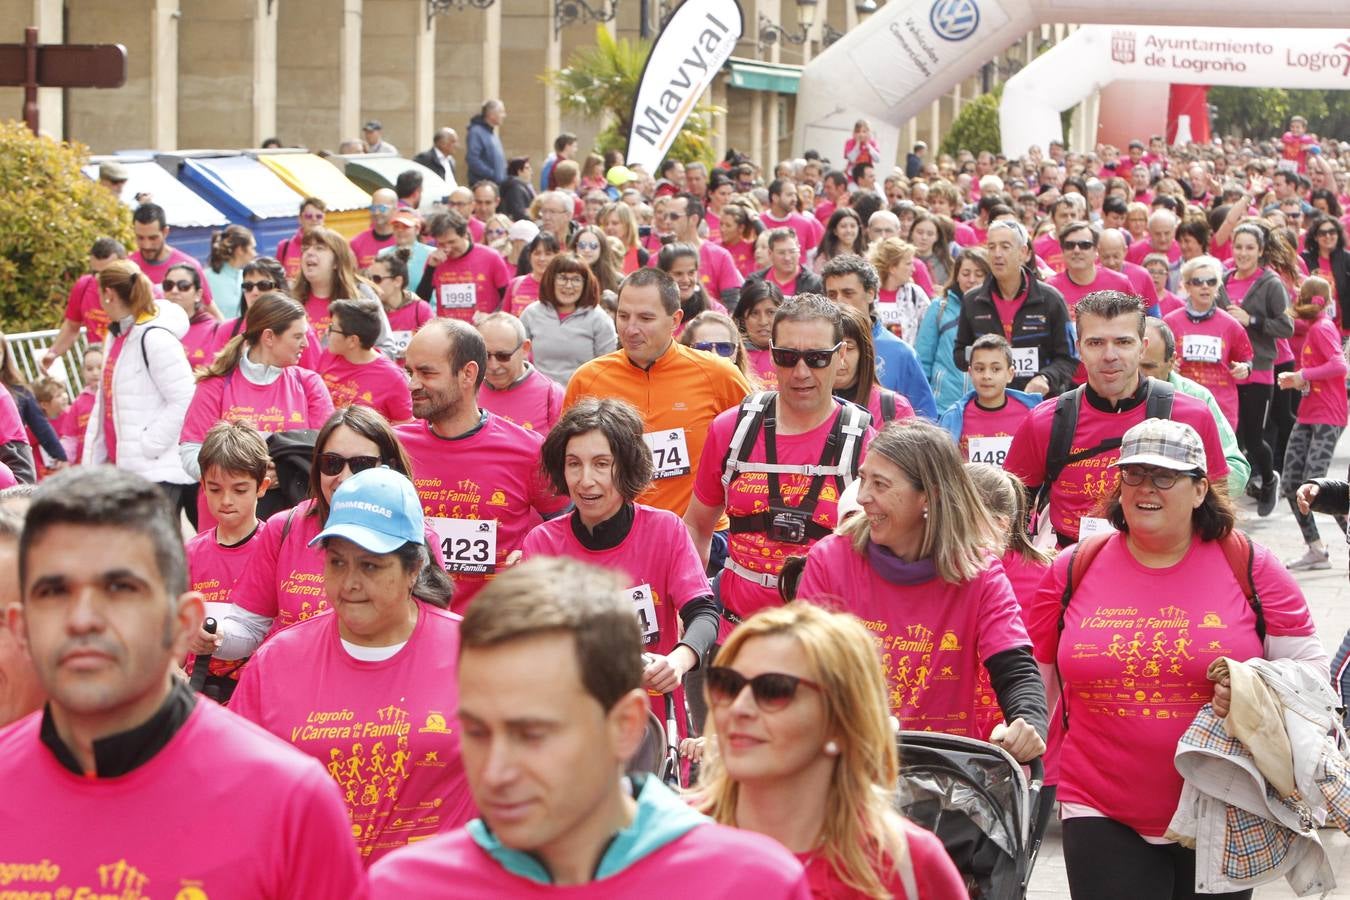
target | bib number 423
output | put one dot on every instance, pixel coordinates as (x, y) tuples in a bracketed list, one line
[(468, 545)]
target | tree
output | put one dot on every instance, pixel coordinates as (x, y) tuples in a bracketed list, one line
[(600, 82), (50, 215), (976, 128), (1249, 112)]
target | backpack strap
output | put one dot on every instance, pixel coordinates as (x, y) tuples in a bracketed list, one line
[(1080, 558), (145, 336), (1241, 555), (1158, 404), (286, 526), (1062, 426), (887, 406), (748, 422)]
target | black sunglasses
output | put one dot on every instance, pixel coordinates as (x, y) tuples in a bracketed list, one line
[(772, 690), (787, 358), (1078, 245), (721, 348), (183, 285), (264, 285), (332, 463), (1202, 282), (505, 356), (1326, 232), (378, 279)]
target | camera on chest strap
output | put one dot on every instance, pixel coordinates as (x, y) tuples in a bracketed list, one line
[(788, 525)]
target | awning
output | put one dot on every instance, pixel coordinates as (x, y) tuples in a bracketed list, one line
[(371, 173), (310, 175), (756, 75)]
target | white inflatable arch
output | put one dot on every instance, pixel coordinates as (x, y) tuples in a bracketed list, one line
[(1099, 54), (910, 52)]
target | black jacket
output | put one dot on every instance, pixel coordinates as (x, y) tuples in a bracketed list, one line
[(1340, 279), (517, 194), (807, 282), (1041, 322), (428, 159)]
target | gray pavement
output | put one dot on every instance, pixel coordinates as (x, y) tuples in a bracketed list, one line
[(1328, 594)]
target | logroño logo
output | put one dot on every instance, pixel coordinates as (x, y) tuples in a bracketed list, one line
[(1122, 46)]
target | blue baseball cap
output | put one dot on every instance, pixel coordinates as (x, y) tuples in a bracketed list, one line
[(376, 509)]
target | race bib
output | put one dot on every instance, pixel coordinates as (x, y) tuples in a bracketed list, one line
[(401, 340), (1026, 361), (670, 452), (468, 545), (645, 610), (992, 450), (1203, 348), (458, 296), (889, 314), (1090, 525)]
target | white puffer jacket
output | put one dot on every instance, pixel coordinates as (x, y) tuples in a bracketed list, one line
[(149, 405)]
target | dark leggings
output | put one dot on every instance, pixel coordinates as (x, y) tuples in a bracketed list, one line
[(1280, 421), (1311, 448), (1253, 407), (1110, 861)]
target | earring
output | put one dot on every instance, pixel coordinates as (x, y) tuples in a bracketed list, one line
[(831, 748), (925, 514)]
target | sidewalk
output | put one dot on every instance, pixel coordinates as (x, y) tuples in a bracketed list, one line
[(1328, 595)]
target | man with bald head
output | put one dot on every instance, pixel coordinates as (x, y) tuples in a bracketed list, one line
[(368, 244), (461, 200), (1162, 238), (440, 158), (1111, 246)]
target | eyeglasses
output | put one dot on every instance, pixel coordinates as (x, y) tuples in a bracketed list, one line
[(333, 463), (787, 358), (1162, 479), (1202, 282), (266, 284), (495, 232), (332, 330), (505, 356), (1077, 245), (380, 208), (587, 245), (721, 348), (313, 217), (573, 279), (170, 285), (772, 690), (1326, 232)]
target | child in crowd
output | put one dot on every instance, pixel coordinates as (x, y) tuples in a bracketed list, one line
[(354, 371), (861, 147), (53, 399), (1295, 145), (234, 465), (72, 425), (984, 421)]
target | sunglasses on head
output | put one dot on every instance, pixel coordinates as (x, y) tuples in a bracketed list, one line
[(505, 356), (787, 358), (772, 690), (332, 463), (1078, 245), (1202, 282), (721, 348), (266, 284), (184, 285)]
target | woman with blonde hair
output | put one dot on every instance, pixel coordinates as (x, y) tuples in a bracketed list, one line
[(925, 555), (901, 303), (717, 333), (807, 756), (618, 220)]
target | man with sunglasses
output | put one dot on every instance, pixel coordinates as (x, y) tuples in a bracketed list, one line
[(368, 244), (551, 709), (779, 481), (716, 267), (1082, 275), (513, 388), (677, 389)]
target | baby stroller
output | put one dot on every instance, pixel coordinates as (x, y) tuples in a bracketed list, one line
[(659, 752), (977, 799)]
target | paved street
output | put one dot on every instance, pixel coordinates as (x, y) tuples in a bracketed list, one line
[(1329, 596)]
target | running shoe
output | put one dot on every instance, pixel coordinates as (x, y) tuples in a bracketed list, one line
[(1270, 496), (1310, 561)]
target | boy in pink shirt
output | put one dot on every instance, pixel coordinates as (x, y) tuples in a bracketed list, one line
[(124, 748), (984, 421), (354, 371), (549, 672)]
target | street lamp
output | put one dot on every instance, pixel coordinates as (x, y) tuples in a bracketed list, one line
[(771, 32), (441, 7), (569, 12)]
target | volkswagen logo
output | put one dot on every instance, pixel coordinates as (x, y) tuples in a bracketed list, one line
[(954, 20)]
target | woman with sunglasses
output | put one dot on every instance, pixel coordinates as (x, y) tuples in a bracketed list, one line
[(524, 289), (856, 380), (264, 275), (592, 245), (716, 333), (807, 756), (284, 583), (1326, 256), (1158, 604), (566, 324), (182, 287), (760, 299), (596, 455), (407, 312), (1212, 348), (497, 234), (681, 262), (923, 559), (385, 659)]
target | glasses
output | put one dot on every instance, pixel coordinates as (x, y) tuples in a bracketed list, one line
[(587, 245), (380, 208), (572, 279), (772, 690), (332, 330), (787, 358), (313, 217), (1327, 232), (333, 463), (1078, 245), (721, 348), (1162, 479), (1202, 282), (170, 285), (505, 356), (265, 285), (377, 279), (496, 232)]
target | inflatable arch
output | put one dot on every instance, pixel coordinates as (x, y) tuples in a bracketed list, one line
[(910, 52)]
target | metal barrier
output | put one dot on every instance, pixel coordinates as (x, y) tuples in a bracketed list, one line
[(29, 347)]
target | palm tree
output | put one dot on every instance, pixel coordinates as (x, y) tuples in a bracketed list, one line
[(600, 82)]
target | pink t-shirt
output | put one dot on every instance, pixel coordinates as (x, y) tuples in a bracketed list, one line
[(1323, 364), (717, 270), (748, 495), (491, 475), (410, 316), (295, 843), (11, 423), (743, 255), (83, 308), (923, 278), (297, 399), (1206, 349), (809, 231), (903, 408), (1140, 249), (712, 861), (761, 364), (1025, 578), (320, 319), (379, 384), (289, 252), (473, 282), (7, 478), (1237, 289), (1103, 280), (386, 731), (965, 235), (657, 553), (75, 420), (1133, 655), (175, 257), (1169, 303), (214, 570), (366, 246), (933, 637), (935, 875), (1141, 283), (309, 357), (201, 340), (978, 422), (522, 291), (534, 402), (1086, 483), (1048, 249)]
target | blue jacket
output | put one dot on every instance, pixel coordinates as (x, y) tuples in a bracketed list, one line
[(954, 416), (898, 369), (935, 345), (486, 158)]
